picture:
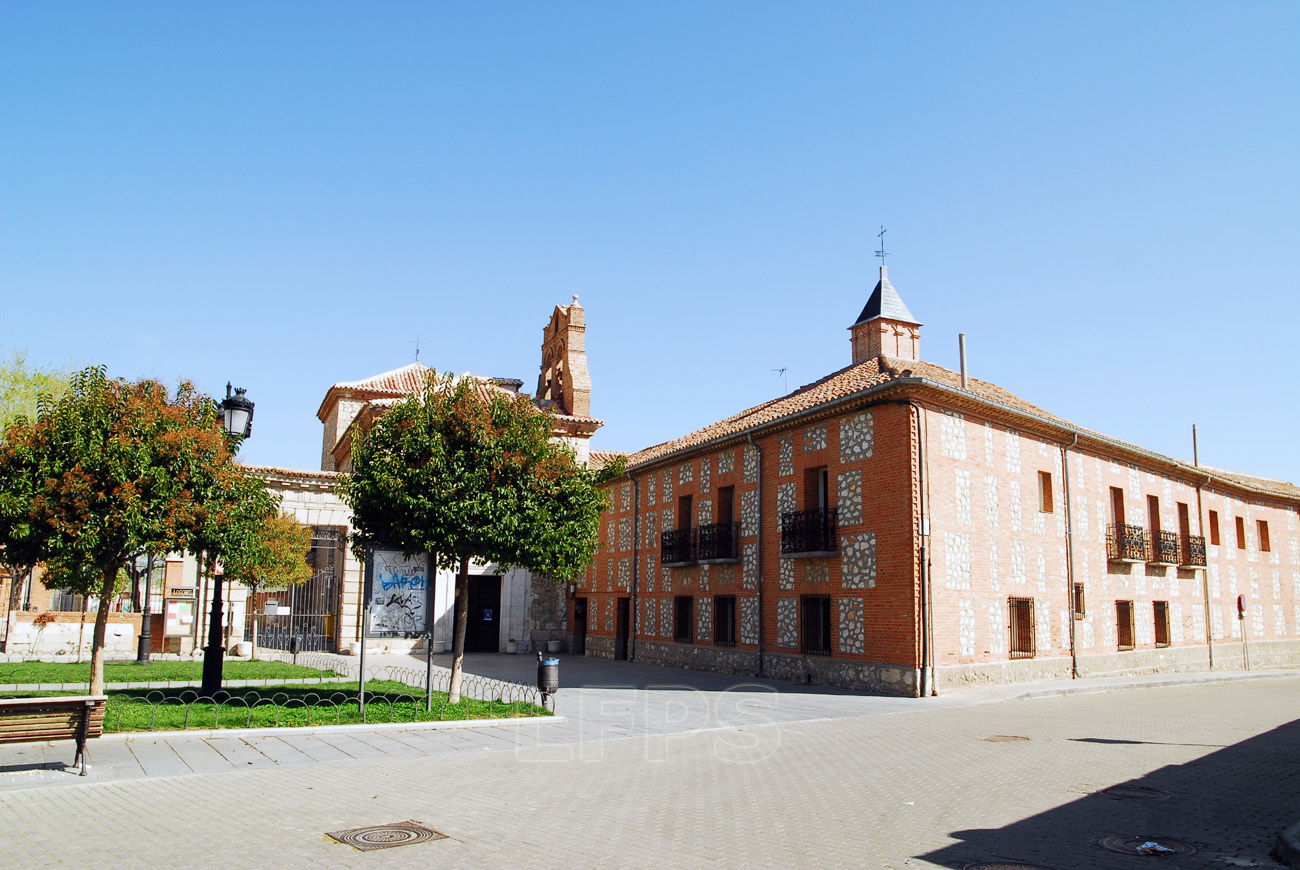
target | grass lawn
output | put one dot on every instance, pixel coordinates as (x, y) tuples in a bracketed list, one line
[(290, 706), (130, 672)]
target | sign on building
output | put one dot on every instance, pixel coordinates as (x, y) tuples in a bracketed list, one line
[(398, 593)]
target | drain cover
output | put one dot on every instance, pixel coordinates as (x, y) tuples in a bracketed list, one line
[(1136, 793), (1148, 847), (386, 836), (1004, 865), (1004, 738)]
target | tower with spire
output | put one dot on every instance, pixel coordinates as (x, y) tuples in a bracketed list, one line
[(885, 327)]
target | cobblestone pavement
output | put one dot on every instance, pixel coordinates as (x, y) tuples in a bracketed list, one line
[(929, 785)]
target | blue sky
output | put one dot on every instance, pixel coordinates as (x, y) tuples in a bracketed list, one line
[(1101, 195)]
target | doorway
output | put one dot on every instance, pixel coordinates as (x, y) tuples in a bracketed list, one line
[(624, 621), (483, 630), (579, 627)]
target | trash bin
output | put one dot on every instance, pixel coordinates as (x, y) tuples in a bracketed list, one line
[(548, 676), (295, 645)]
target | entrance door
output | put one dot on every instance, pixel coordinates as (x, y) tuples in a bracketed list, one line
[(579, 626), (483, 631), (620, 638)]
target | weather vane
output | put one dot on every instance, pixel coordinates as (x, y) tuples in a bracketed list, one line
[(881, 235)]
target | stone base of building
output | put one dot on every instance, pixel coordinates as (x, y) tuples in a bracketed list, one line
[(600, 647), (718, 659), (1228, 656)]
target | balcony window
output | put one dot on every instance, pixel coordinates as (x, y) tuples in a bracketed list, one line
[(1125, 543), (1191, 552), (677, 546), (808, 532), (1164, 548), (717, 542)]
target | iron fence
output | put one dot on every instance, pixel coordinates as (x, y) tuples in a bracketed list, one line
[(717, 542), (1164, 547), (1192, 552), (1125, 543), (810, 531)]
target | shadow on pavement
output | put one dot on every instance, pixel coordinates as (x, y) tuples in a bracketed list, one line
[(1228, 805)]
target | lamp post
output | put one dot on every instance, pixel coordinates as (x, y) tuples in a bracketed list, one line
[(146, 612), (237, 419)]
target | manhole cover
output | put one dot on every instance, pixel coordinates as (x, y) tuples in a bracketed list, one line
[(1004, 865), (1151, 847), (386, 836), (1004, 738), (1136, 793)]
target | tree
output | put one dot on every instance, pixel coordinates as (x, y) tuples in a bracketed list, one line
[(22, 387), (276, 558), (462, 470), (109, 470)]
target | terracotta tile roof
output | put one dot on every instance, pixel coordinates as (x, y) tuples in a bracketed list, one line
[(405, 380), (880, 373), (598, 459), (299, 473)]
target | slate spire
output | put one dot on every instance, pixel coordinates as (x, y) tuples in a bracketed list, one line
[(886, 327)]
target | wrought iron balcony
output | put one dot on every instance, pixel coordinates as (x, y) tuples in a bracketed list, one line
[(1192, 552), (1125, 543), (806, 532), (1164, 548), (677, 547), (717, 542)]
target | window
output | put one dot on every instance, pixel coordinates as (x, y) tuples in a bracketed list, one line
[(684, 518), (1045, 492), (1124, 624), (1262, 527), (1116, 505), (1022, 627), (1241, 533), (726, 504), (1079, 610), (1153, 513), (815, 489), (1184, 521), (1162, 622), (724, 620), (683, 614), (1214, 528), (815, 637)]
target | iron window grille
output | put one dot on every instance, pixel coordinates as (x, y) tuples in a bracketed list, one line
[(1164, 548), (717, 542), (1022, 628), (1192, 551), (1125, 543), (724, 620), (1124, 624), (1080, 610), (683, 618), (1161, 609), (815, 636), (677, 546), (810, 531)]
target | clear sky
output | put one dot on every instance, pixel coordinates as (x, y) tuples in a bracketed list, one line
[(1103, 196)]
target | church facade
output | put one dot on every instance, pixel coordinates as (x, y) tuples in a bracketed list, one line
[(897, 527)]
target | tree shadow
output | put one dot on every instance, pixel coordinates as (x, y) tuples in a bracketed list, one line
[(1229, 805)]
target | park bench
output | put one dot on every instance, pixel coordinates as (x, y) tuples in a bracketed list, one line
[(26, 720)]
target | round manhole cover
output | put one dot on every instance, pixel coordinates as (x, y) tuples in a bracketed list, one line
[(386, 836), (1004, 738), (1149, 847), (1004, 865), (1136, 793)]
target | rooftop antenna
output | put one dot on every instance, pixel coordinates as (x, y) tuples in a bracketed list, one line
[(417, 347), (881, 253), (785, 381)]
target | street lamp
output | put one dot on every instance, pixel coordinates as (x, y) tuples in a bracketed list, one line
[(237, 419)]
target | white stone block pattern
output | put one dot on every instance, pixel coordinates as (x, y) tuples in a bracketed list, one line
[(666, 617), (848, 486), (749, 566), (726, 462), (787, 632), (785, 455), (857, 437), (749, 620), (751, 464), (785, 498), (852, 626), (749, 513), (957, 560), (786, 580), (686, 473), (816, 571), (1012, 442), (966, 626), (624, 534), (963, 496), (952, 435), (858, 560), (706, 475), (704, 619), (814, 438), (668, 486)]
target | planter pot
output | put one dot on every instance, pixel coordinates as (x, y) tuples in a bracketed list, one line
[(554, 646), (512, 647), (352, 649), (243, 649)]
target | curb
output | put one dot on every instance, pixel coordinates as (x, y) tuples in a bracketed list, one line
[(129, 736), (1287, 848), (1084, 687)]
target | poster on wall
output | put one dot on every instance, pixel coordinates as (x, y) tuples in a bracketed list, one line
[(398, 592)]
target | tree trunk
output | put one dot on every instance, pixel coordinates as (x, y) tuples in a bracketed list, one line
[(252, 597), (16, 580), (101, 626), (458, 636)]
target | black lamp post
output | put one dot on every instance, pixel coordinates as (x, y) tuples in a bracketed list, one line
[(237, 418), (146, 612)]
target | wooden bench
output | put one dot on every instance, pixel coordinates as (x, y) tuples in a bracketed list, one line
[(27, 720)]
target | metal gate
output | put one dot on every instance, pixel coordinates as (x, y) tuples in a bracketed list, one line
[(313, 615)]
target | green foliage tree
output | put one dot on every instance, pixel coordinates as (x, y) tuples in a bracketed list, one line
[(22, 387), (112, 469), (460, 471), (275, 558)]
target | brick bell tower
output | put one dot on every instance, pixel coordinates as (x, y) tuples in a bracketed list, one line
[(885, 327), (564, 383)]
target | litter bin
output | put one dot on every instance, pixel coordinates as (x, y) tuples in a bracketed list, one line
[(548, 676)]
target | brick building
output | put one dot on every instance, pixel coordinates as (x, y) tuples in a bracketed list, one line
[(897, 527)]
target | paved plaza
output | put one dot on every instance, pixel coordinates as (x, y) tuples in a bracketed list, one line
[(650, 767)]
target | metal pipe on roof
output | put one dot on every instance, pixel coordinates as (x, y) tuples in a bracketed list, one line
[(961, 350)]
